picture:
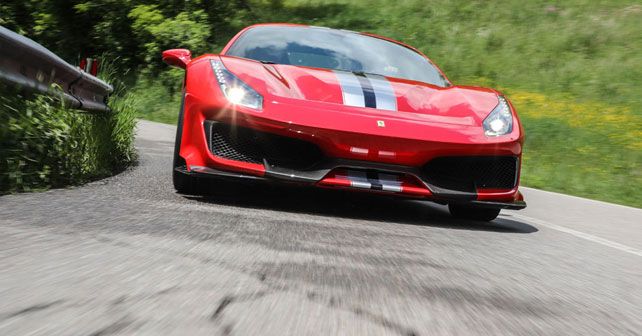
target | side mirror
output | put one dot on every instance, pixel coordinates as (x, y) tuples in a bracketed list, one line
[(177, 57)]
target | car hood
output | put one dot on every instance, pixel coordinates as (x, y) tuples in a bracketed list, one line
[(367, 93)]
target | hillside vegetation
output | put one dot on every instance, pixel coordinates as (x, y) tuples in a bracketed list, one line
[(572, 68)]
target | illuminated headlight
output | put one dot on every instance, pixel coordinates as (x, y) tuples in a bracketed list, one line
[(500, 120), (234, 89)]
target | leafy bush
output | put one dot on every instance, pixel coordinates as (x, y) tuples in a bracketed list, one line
[(44, 144)]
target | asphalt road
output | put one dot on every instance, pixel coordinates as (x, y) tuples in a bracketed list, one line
[(127, 255)]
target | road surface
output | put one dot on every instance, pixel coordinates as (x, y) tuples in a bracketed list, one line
[(127, 255)]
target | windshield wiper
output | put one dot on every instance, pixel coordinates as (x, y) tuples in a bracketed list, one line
[(363, 73), (266, 62)]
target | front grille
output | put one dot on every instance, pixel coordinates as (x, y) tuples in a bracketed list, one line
[(470, 173), (248, 145)]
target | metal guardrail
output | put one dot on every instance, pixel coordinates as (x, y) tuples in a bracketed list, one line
[(29, 65)]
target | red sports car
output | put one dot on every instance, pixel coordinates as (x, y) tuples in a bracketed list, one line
[(340, 109)]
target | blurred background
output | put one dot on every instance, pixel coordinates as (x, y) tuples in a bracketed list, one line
[(572, 69)]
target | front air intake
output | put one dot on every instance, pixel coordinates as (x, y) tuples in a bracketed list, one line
[(467, 174), (249, 145)]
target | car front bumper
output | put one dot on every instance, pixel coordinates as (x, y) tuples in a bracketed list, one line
[(380, 160)]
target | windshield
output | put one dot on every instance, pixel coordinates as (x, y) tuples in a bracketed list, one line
[(334, 49)]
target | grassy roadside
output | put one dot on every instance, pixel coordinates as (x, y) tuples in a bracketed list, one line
[(591, 149), (571, 69)]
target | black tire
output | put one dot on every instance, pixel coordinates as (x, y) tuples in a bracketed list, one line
[(183, 183), (473, 213)]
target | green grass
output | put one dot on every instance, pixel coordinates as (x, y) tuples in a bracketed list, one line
[(44, 144), (155, 102), (571, 68)]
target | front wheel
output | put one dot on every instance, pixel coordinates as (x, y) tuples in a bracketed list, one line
[(472, 212)]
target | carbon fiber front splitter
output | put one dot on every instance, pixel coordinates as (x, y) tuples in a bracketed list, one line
[(290, 177)]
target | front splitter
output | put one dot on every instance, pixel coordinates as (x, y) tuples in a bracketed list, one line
[(212, 173)]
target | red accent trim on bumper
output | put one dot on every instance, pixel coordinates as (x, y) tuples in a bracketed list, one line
[(496, 194)]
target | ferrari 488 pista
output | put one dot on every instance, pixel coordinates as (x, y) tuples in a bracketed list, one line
[(340, 109)]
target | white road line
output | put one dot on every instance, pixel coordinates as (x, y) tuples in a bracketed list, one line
[(157, 154), (582, 235), (163, 148)]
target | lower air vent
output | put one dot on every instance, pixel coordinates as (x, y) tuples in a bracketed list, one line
[(470, 173), (248, 145)]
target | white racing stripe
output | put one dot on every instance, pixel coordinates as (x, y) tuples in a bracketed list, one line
[(390, 182), (582, 235), (391, 187), (357, 90), (384, 94), (351, 89), (359, 179), (362, 185)]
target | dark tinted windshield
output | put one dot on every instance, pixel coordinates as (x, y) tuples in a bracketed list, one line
[(334, 49)]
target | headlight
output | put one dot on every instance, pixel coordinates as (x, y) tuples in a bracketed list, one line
[(500, 120), (234, 89)]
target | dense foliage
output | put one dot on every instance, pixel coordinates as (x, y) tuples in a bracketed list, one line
[(572, 68), (44, 144), (135, 31)]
